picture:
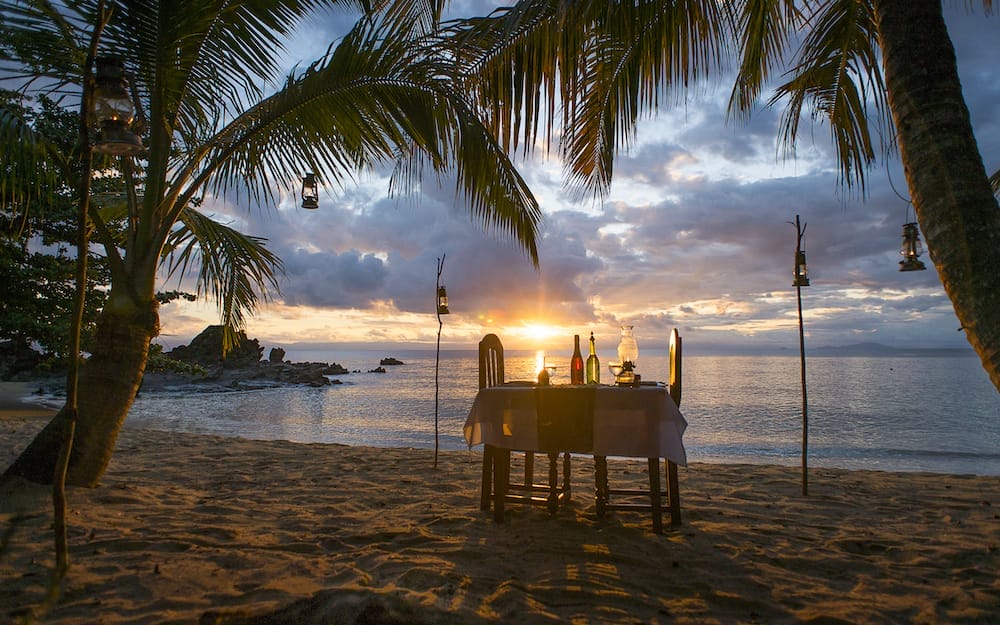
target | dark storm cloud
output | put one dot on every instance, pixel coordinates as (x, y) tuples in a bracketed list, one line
[(346, 280)]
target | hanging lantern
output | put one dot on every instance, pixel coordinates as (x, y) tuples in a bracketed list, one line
[(114, 110), (310, 192), (443, 301), (801, 270), (911, 249)]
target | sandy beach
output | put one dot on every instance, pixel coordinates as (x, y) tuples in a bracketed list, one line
[(208, 530)]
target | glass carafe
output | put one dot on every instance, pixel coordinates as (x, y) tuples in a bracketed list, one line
[(628, 354)]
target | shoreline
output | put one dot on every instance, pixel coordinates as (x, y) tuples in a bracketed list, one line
[(15, 402), (22, 399), (192, 528)]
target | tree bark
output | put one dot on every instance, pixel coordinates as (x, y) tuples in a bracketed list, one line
[(950, 190), (108, 384)]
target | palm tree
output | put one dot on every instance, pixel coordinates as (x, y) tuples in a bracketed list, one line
[(872, 69), (217, 122)]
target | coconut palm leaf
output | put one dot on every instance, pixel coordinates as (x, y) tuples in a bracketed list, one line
[(838, 75), (33, 167), (641, 52), (46, 41), (762, 29), (378, 97), (235, 269), (587, 70)]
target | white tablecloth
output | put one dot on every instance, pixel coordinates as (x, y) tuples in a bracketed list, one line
[(629, 422)]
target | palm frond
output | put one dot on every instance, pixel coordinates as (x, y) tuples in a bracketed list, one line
[(235, 269), (517, 59), (638, 54), (424, 14), (838, 74), (589, 69), (995, 183), (762, 28), (33, 167), (47, 42), (377, 97)]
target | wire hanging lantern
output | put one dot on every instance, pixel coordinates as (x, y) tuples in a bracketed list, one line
[(911, 249)]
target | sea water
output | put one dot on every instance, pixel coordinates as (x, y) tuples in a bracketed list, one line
[(938, 414)]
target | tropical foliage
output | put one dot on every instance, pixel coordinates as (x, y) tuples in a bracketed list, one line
[(36, 263), (220, 122)]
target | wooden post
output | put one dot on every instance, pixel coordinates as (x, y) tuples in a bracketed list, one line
[(799, 230), (437, 354)]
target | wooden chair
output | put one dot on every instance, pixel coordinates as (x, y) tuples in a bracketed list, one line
[(632, 499), (496, 461)]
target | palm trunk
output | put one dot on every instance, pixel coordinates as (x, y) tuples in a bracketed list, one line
[(951, 194), (108, 383)]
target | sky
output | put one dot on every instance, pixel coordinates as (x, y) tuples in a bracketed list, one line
[(694, 234)]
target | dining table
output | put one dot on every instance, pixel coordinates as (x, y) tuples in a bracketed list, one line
[(602, 420)]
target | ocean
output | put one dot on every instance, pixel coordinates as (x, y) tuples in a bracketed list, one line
[(936, 414)]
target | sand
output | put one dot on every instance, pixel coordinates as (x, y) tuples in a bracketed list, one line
[(202, 529)]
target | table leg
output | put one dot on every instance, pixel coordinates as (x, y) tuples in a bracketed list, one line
[(501, 481), (553, 482), (601, 484)]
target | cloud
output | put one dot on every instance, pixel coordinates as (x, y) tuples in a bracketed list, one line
[(694, 234)]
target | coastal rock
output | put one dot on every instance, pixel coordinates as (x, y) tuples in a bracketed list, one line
[(206, 350), (390, 361), (335, 369), (377, 370), (242, 368)]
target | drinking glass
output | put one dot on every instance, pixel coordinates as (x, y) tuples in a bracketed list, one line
[(616, 369)]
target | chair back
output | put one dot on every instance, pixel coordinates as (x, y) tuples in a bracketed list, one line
[(675, 366), (490, 361)]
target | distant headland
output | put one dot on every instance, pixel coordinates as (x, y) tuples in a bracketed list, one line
[(876, 350)]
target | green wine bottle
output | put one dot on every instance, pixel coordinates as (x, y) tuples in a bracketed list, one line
[(593, 364)]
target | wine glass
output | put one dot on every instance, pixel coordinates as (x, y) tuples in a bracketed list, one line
[(616, 369)]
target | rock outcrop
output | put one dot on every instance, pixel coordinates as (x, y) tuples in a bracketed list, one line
[(206, 350), (242, 367)]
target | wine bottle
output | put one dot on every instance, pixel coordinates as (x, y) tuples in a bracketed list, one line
[(593, 363), (576, 363)]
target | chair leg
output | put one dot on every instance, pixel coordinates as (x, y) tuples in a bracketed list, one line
[(501, 481), (529, 469), (553, 482), (567, 469), (486, 487), (674, 493), (654, 494)]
